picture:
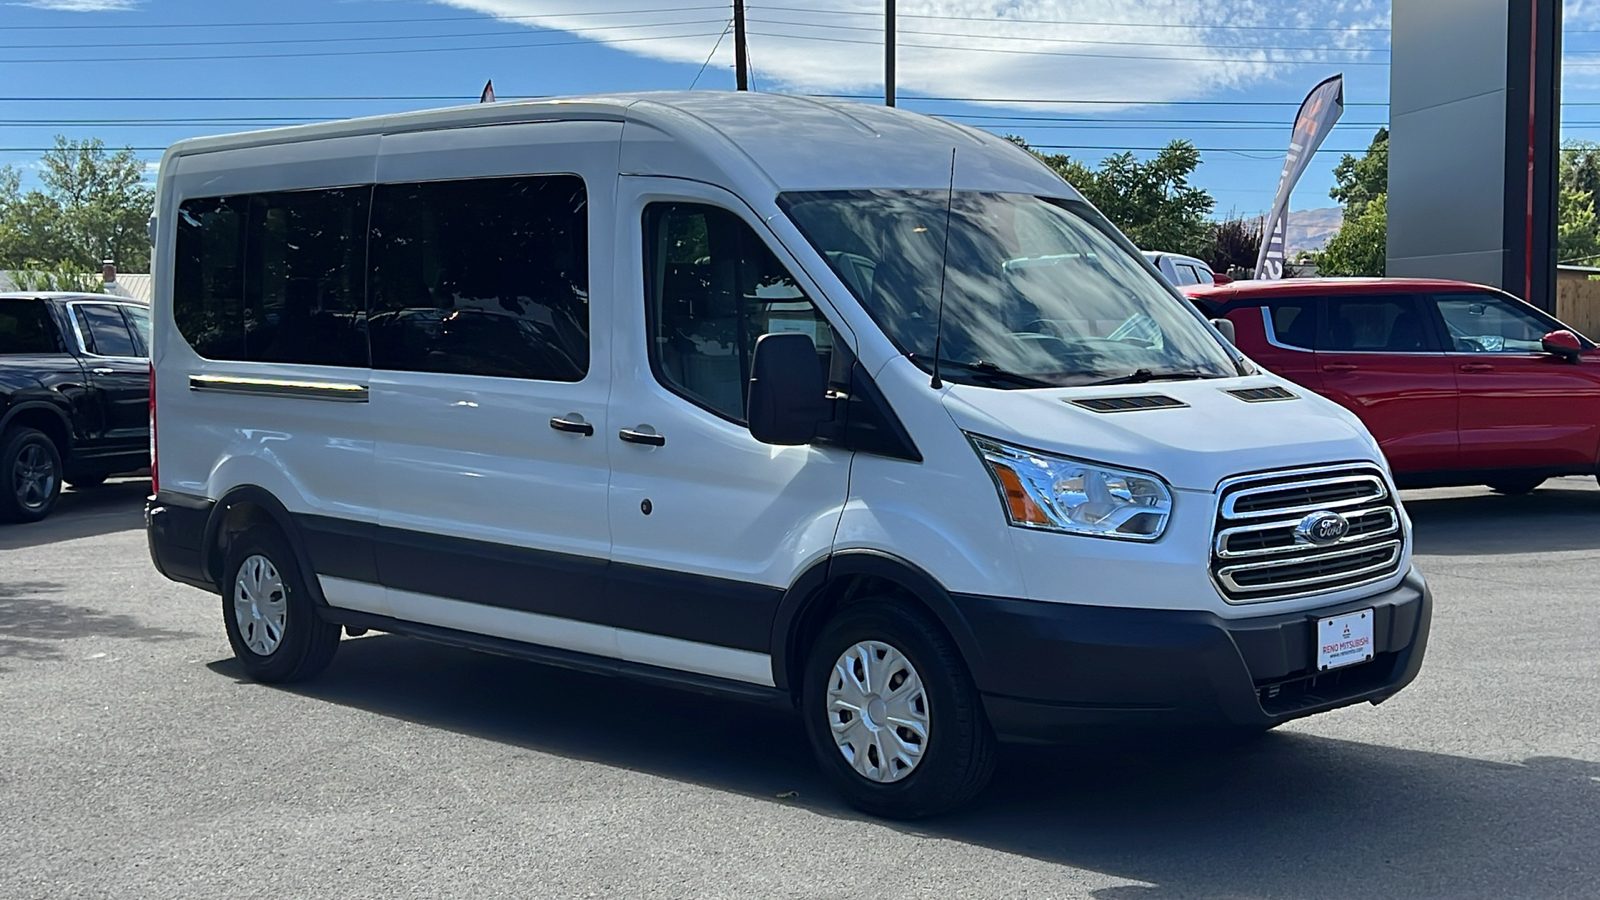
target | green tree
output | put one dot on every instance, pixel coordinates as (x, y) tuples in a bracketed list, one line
[(1362, 187), (94, 204), (1577, 226), (1152, 202), (1361, 246), (1358, 182)]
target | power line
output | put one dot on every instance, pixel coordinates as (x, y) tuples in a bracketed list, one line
[(358, 38), (1217, 59), (80, 60), (1016, 37), (1020, 21), (327, 22)]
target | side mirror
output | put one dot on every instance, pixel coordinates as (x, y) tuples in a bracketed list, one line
[(1226, 327), (1562, 343), (1219, 278), (788, 390)]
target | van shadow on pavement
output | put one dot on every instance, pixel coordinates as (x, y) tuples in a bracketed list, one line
[(1289, 815), (1564, 514)]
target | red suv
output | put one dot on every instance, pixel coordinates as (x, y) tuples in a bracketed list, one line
[(1460, 383)]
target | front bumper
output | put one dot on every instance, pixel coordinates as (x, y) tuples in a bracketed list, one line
[(1046, 669)]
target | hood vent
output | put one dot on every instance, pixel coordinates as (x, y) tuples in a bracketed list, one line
[(1264, 394), (1128, 404)]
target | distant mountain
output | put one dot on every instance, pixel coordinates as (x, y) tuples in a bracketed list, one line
[(1310, 229)]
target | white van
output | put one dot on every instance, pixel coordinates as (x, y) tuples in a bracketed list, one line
[(739, 392)]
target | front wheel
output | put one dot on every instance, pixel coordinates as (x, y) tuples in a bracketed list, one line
[(892, 714), (272, 624), (31, 468)]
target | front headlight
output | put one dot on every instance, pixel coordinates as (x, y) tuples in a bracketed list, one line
[(1056, 493)]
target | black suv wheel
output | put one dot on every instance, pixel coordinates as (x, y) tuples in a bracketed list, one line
[(31, 468)]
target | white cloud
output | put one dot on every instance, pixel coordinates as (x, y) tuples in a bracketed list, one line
[(83, 5), (1082, 49)]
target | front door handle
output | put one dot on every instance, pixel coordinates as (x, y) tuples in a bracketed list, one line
[(103, 371), (649, 438), (1338, 367), (571, 427), (1477, 367)]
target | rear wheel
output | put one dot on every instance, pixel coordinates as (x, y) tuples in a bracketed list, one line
[(272, 625), (30, 467), (892, 715), (1515, 486)]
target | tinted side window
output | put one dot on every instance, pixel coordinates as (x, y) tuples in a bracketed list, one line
[(1187, 274), (712, 288), (305, 278), (1376, 323), (1485, 323), (105, 332), (139, 318), (25, 327), (274, 277), (1294, 322), (482, 277), (208, 276)]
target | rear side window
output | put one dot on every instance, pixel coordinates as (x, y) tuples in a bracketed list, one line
[(712, 289), (482, 277), (276, 277), (1391, 324), (25, 327), (105, 332), (1294, 323), (1188, 275)]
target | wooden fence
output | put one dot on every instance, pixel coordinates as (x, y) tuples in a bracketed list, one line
[(1578, 302)]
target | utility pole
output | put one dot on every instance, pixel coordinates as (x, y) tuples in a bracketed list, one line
[(888, 53), (741, 62)]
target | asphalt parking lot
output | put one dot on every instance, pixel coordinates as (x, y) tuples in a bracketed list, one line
[(136, 762)]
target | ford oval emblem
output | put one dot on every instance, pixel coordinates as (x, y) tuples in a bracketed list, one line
[(1322, 528)]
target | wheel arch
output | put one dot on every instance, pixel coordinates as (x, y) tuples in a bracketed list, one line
[(840, 579), (46, 417), (237, 511)]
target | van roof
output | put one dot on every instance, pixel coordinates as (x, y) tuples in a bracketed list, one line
[(869, 146)]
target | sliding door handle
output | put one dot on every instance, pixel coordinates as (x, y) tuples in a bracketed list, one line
[(648, 438), (571, 427)]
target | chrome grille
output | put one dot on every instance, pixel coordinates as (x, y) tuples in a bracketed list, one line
[(1257, 554)]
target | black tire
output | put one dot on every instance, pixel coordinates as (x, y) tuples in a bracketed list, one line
[(304, 643), (959, 754), (30, 475), (87, 482), (1516, 486)]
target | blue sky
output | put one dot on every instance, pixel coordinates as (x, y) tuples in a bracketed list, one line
[(1225, 74)]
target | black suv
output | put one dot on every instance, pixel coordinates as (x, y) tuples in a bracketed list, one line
[(74, 396)]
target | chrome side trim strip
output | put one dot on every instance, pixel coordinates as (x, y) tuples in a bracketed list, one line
[(339, 392)]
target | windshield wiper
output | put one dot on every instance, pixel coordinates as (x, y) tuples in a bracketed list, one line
[(1140, 376), (985, 369)]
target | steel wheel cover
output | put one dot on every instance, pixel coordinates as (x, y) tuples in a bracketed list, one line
[(260, 605), (878, 711)]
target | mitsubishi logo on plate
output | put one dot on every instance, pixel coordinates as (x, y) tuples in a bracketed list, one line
[(1322, 528)]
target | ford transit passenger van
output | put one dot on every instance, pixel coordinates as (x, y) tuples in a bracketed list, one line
[(755, 394)]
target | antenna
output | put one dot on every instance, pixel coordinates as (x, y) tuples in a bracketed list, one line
[(944, 263)]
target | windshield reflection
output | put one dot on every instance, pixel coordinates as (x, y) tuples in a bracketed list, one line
[(1035, 294)]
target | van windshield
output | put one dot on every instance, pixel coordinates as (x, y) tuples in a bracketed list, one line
[(1036, 293)]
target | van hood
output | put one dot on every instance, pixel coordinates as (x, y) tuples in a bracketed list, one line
[(1213, 435)]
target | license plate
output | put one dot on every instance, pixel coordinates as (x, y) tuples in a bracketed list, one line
[(1344, 640)]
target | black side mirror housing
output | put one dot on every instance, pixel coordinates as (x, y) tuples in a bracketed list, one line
[(788, 390)]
